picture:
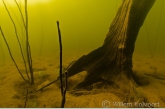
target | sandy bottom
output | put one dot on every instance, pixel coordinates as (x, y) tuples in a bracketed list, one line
[(13, 88)]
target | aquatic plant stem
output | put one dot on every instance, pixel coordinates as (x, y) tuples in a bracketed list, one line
[(60, 44), (22, 39), (23, 20), (11, 54), (26, 98), (64, 93), (152, 51), (22, 28), (28, 51), (16, 33)]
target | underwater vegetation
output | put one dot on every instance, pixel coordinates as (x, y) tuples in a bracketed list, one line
[(105, 73), (28, 50), (28, 60)]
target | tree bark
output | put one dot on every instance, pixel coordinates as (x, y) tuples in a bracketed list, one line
[(114, 57)]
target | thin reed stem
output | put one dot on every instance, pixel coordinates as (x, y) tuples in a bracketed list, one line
[(60, 44), (16, 33), (28, 51), (11, 54), (64, 93), (20, 13)]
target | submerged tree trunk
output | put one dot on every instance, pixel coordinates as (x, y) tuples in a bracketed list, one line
[(114, 57)]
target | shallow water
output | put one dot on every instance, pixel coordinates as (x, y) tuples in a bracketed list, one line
[(84, 25)]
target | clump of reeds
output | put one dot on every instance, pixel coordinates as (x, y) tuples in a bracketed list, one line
[(28, 66)]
